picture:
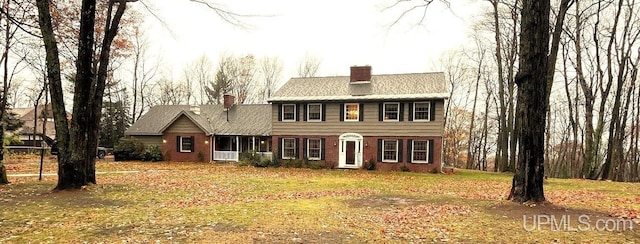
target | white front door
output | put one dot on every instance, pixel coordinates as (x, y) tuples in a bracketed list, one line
[(350, 154)]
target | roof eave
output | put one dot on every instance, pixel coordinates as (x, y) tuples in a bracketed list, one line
[(361, 98)]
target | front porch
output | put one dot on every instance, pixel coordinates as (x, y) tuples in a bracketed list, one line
[(228, 148)]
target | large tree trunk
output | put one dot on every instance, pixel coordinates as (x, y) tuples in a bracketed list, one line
[(80, 128), (76, 159), (98, 85), (3, 104), (532, 106), (66, 172)]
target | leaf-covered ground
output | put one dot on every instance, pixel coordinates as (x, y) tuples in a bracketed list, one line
[(205, 202)]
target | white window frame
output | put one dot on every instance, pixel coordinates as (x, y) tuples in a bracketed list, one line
[(284, 147), (384, 112), (295, 114), (384, 149), (309, 112), (181, 145), (346, 112), (428, 111), (413, 149), (319, 148)]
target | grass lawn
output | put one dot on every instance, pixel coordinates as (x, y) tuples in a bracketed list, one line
[(204, 202)]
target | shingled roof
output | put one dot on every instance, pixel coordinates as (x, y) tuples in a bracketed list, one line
[(212, 119), (339, 88)]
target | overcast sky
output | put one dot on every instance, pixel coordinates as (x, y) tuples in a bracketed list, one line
[(341, 33)]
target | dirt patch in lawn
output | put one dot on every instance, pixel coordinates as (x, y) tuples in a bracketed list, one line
[(516, 210), (379, 201)]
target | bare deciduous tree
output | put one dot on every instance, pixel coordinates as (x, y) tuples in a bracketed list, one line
[(309, 66), (144, 72), (271, 68)]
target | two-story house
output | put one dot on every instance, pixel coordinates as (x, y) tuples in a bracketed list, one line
[(395, 120)]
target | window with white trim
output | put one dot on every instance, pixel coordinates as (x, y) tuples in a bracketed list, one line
[(390, 151), (420, 152), (288, 112), (421, 111), (186, 144), (288, 148), (314, 149), (351, 112), (314, 112), (391, 111)]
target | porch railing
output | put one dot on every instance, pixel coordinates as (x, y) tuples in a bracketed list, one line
[(225, 156)]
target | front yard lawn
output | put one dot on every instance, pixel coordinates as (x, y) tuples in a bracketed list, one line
[(205, 202)]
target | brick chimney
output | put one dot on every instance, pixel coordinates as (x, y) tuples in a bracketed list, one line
[(360, 73), (229, 100)]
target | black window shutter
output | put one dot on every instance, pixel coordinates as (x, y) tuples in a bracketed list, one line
[(411, 111), (432, 111), (178, 143), (361, 110), (401, 112), (297, 146), (193, 144), (342, 112), (297, 110), (380, 150), (400, 152), (280, 148), (304, 148), (430, 148), (380, 111), (409, 151), (279, 112), (324, 111), (304, 112), (322, 147)]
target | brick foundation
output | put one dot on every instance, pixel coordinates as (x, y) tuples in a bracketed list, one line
[(370, 152)]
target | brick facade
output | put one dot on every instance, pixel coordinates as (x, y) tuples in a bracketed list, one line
[(370, 152), (201, 143)]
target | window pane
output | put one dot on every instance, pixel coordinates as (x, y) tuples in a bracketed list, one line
[(419, 156), (421, 111), (289, 148), (420, 145), (314, 111), (420, 150), (288, 112), (314, 148), (390, 145), (186, 144), (391, 111), (390, 148), (351, 112)]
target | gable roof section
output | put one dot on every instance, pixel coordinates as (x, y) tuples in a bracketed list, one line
[(243, 119), (394, 86), (196, 119)]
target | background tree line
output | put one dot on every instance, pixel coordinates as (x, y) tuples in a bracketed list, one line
[(594, 110)]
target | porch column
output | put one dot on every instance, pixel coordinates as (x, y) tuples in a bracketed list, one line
[(238, 144), (213, 148), (253, 143)]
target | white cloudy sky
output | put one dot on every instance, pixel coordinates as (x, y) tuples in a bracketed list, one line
[(340, 32)]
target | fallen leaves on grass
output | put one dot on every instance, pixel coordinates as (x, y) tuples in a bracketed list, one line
[(411, 223), (486, 190), (315, 194)]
